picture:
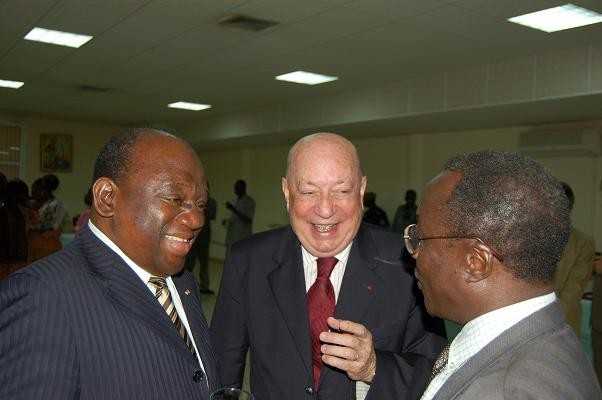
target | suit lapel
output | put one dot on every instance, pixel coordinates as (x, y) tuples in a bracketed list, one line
[(360, 281), (287, 282), (548, 318), (187, 291), (126, 290), (359, 284)]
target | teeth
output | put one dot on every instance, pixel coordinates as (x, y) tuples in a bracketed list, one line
[(178, 239), (324, 228)]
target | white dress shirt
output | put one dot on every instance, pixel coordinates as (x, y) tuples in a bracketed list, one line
[(145, 276), (479, 332), (310, 270)]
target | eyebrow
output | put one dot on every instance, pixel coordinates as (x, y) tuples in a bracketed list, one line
[(310, 183)]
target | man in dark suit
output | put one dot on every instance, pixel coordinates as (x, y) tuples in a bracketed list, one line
[(491, 229), (112, 316), (280, 290)]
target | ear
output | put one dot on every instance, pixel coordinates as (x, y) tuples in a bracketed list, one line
[(479, 263), (363, 186), (285, 191), (105, 193)]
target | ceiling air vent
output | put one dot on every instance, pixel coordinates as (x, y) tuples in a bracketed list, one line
[(246, 23)]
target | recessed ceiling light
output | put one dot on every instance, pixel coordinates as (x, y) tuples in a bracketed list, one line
[(189, 106), (306, 78), (15, 148), (11, 84), (558, 18), (57, 37)]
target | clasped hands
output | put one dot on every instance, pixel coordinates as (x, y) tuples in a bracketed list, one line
[(349, 347)]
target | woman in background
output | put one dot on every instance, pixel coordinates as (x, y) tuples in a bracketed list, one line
[(46, 229), (83, 218), (14, 226)]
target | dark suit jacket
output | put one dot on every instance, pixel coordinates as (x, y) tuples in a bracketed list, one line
[(262, 306), (81, 324), (538, 358)]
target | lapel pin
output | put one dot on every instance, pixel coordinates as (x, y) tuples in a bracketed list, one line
[(369, 287), (187, 292)]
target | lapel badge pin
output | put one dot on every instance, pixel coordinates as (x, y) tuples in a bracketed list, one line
[(187, 292), (369, 287)]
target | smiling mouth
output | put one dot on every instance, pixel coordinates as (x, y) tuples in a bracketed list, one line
[(179, 239), (323, 228)]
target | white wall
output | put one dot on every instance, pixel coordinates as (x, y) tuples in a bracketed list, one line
[(393, 165)]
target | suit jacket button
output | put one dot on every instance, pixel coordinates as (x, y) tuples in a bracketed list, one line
[(198, 376), (309, 390)]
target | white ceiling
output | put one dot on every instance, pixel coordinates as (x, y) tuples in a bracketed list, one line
[(150, 53)]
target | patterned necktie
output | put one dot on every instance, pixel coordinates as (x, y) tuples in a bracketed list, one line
[(164, 297), (440, 363), (320, 306)]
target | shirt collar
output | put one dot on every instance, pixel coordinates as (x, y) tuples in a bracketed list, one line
[(341, 257), (479, 332), (141, 272)]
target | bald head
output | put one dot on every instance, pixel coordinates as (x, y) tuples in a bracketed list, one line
[(330, 144), (323, 190)]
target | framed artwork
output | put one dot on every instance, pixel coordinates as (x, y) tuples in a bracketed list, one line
[(56, 152)]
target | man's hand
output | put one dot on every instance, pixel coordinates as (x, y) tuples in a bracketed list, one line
[(349, 347)]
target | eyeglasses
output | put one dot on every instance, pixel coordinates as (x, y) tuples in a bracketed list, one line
[(413, 240)]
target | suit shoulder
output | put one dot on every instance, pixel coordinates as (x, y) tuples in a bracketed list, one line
[(58, 269), (552, 366), (262, 240), (389, 244)]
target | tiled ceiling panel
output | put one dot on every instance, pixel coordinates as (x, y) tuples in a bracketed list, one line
[(148, 52)]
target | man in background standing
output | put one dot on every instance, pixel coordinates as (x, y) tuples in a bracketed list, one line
[(373, 214), (406, 213), (574, 270), (240, 223), (200, 248)]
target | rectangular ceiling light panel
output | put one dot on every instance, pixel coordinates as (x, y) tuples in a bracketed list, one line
[(57, 37), (558, 18), (306, 78), (189, 106), (11, 84)]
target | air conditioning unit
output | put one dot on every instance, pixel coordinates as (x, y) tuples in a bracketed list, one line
[(562, 140)]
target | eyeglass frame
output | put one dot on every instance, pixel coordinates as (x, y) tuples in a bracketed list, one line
[(406, 239)]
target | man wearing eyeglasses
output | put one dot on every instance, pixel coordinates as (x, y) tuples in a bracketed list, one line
[(491, 229)]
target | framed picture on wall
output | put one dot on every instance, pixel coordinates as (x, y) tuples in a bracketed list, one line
[(56, 152)]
